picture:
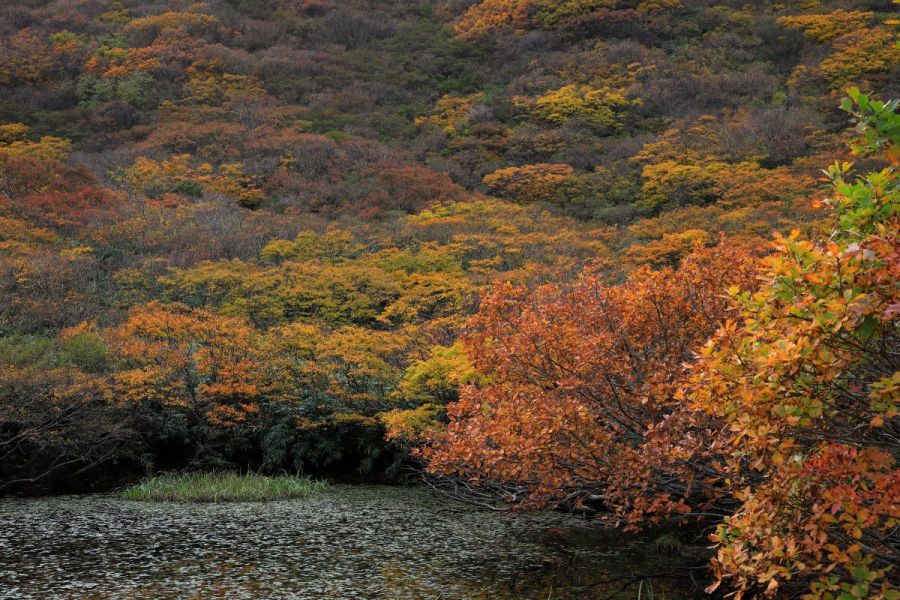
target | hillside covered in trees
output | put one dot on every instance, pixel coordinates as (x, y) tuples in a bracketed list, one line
[(573, 254)]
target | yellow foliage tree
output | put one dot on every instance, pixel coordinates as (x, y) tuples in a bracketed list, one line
[(492, 15), (213, 88), (530, 183), (177, 175), (600, 108), (826, 27), (436, 379), (667, 251), (14, 143), (862, 53), (451, 113), (191, 22)]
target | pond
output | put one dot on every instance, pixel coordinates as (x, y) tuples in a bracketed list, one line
[(350, 542)]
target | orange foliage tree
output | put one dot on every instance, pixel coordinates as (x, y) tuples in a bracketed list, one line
[(187, 358), (576, 374)]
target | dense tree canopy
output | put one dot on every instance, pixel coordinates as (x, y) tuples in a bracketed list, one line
[(309, 235)]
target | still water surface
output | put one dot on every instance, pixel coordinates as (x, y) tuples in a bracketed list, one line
[(350, 542)]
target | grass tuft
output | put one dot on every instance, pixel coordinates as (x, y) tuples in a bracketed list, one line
[(222, 487)]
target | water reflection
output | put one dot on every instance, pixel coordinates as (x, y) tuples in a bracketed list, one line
[(352, 542)]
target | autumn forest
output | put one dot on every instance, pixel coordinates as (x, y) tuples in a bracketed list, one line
[(635, 261)]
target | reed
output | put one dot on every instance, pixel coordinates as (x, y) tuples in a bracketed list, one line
[(222, 487)]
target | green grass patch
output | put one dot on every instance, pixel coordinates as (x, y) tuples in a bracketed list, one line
[(222, 487)]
